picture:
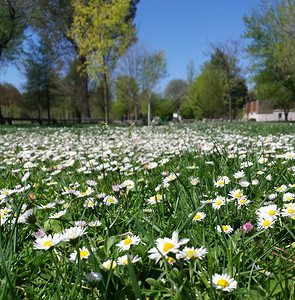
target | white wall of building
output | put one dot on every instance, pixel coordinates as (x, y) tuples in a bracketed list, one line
[(270, 117)]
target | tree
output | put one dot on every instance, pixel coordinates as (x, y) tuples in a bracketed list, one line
[(176, 90), (9, 97), (224, 60), (130, 65), (191, 72), (153, 67), (13, 16), (239, 94), (39, 68), (54, 19), (126, 92), (102, 31), (206, 94), (270, 29)]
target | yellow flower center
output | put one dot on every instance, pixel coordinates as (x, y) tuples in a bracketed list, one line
[(170, 259), (220, 182), (167, 247), (111, 200), (222, 282), (90, 203), (108, 266), (83, 253), (47, 243), (290, 211), (191, 252), (197, 217), (239, 195), (242, 201), (279, 188), (125, 262), (127, 241), (225, 228), (265, 223), (271, 212), (218, 202)]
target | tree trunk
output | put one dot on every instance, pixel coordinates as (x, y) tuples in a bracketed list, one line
[(149, 109), (286, 112), (85, 94), (48, 104), (229, 101), (106, 98), (136, 112)]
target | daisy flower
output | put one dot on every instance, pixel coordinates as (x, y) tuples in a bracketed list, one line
[(195, 181), (155, 199), (89, 203), (246, 164), (271, 210), (243, 202), (107, 265), (218, 202), (281, 188), (244, 183), (272, 196), (239, 175), (199, 216), (265, 221), (126, 243), (84, 254), (236, 194), (288, 196), (58, 214), (224, 282), (73, 233), (166, 245), (94, 223), (109, 200), (190, 252), (221, 181), (40, 233), (46, 242), (227, 229), (128, 184), (288, 210), (123, 260)]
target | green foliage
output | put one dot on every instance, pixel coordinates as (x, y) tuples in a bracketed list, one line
[(206, 95), (127, 98), (102, 32), (10, 99), (177, 90), (40, 68), (13, 16), (272, 49)]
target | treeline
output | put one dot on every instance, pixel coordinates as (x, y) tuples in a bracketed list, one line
[(85, 61)]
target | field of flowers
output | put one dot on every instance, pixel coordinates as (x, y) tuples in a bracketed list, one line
[(203, 211)]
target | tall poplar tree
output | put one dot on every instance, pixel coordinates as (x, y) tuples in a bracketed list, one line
[(103, 30)]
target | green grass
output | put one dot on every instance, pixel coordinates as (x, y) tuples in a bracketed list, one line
[(112, 155)]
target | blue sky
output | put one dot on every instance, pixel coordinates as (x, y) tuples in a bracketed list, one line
[(184, 29)]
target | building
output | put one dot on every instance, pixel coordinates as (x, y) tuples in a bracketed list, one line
[(262, 111)]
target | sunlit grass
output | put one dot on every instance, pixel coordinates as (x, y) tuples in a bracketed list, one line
[(83, 208)]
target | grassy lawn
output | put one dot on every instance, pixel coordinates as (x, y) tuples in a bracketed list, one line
[(196, 211)]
